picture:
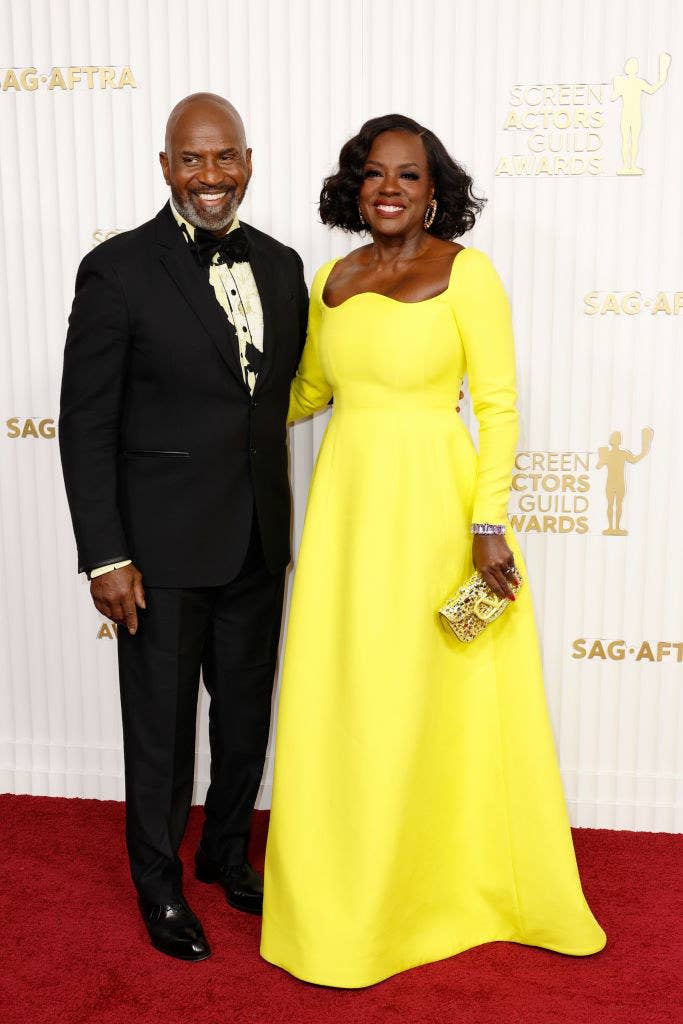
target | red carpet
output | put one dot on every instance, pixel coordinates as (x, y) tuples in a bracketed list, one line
[(75, 951)]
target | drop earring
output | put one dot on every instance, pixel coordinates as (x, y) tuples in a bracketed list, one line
[(430, 214)]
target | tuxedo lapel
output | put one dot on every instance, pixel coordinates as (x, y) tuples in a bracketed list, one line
[(193, 283)]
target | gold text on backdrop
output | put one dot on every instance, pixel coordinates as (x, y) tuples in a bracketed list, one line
[(30, 427), (107, 631), (551, 491), (632, 303), (619, 650), (562, 124), (102, 234), (88, 77)]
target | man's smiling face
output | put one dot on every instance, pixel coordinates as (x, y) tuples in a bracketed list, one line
[(206, 162)]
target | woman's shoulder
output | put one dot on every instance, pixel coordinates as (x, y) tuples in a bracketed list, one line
[(351, 260), (475, 258), (321, 275), (474, 268)]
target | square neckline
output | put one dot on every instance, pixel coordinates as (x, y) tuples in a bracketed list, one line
[(381, 295)]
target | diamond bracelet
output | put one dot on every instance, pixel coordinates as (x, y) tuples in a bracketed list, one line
[(487, 528)]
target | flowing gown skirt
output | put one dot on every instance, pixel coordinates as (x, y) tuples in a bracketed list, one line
[(418, 808)]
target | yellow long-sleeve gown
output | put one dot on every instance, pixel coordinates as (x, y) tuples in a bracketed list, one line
[(418, 807)]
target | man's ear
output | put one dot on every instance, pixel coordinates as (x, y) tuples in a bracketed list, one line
[(163, 160)]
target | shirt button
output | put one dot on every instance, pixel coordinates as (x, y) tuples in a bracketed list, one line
[(233, 292), (251, 451), (244, 329)]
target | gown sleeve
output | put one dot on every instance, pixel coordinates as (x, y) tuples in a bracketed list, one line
[(310, 390), (483, 315)]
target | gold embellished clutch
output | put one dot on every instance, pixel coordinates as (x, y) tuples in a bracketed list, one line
[(474, 606)]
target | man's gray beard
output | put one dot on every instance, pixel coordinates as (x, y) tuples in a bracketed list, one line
[(208, 223)]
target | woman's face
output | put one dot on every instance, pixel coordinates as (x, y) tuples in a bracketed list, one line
[(396, 187)]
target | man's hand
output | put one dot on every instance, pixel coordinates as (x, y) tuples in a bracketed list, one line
[(118, 595)]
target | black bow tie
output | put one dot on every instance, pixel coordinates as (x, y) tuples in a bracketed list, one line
[(232, 248)]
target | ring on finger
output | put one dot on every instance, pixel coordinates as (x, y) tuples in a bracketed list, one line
[(510, 571)]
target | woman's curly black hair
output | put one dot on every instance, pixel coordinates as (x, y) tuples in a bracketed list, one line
[(457, 206)]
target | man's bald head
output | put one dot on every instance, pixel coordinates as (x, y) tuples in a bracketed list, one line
[(202, 106), (206, 161)]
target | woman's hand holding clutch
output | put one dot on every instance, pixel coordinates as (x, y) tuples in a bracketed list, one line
[(494, 560)]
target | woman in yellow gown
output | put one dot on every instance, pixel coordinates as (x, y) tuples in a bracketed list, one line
[(418, 807)]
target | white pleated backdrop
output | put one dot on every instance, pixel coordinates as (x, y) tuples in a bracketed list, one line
[(523, 94)]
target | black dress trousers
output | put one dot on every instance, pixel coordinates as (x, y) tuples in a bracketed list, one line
[(231, 633)]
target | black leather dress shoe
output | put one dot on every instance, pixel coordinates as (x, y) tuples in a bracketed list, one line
[(242, 885), (174, 929)]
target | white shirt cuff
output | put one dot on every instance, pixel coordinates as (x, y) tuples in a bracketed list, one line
[(108, 568)]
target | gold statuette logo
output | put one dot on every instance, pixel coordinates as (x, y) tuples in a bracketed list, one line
[(558, 127), (88, 77), (552, 492), (630, 89), (614, 458)]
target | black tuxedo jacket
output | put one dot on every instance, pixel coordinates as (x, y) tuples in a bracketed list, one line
[(163, 448)]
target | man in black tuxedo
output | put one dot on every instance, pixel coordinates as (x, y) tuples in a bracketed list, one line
[(183, 338)]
